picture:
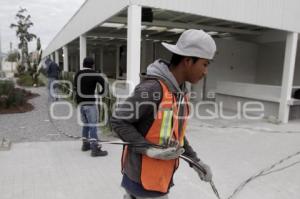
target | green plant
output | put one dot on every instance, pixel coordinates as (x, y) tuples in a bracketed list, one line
[(15, 98), (20, 69), (36, 60), (26, 80), (22, 31), (13, 56), (6, 86), (11, 96)]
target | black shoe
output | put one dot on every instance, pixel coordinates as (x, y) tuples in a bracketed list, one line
[(85, 146), (98, 152)]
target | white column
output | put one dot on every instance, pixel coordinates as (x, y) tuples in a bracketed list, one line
[(101, 60), (133, 45), (288, 75), (82, 46), (66, 58), (51, 57), (117, 61), (57, 57)]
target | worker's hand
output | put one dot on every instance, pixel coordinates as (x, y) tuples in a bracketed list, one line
[(164, 153), (173, 143), (207, 176)]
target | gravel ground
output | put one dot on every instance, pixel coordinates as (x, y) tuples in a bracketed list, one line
[(35, 125)]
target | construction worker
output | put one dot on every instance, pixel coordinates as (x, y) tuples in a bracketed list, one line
[(156, 114), (85, 82)]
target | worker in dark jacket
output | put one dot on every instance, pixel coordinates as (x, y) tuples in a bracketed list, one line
[(52, 71), (85, 83), (156, 114)]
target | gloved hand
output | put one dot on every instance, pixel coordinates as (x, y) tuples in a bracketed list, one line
[(207, 176), (164, 153)]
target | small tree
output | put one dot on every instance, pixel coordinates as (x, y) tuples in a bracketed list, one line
[(13, 56), (22, 31), (36, 61)]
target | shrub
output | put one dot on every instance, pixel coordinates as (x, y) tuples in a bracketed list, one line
[(20, 69), (9, 95), (27, 80), (15, 98), (6, 86)]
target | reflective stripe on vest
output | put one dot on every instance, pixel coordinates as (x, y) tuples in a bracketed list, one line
[(166, 127)]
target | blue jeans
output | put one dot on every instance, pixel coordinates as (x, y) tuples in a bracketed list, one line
[(51, 98), (89, 117)]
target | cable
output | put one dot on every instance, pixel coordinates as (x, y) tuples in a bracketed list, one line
[(266, 171)]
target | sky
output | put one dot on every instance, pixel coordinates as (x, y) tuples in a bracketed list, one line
[(48, 16)]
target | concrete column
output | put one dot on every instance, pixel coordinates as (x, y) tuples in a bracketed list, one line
[(133, 45), (117, 61), (57, 57), (101, 60), (82, 46), (66, 58), (288, 76)]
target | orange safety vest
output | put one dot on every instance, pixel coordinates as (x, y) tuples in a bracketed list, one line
[(156, 175)]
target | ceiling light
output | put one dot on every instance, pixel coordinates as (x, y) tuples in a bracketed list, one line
[(176, 30), (92, 37), (157, 28), (113, 25), (212, 33), (225, 34)]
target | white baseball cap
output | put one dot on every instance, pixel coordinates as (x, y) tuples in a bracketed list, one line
[(193, 43)]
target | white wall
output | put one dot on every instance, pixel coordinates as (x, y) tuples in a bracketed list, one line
[(147, 52), (109, 62), (234, 61), (74, 61), (152, 51), (297, 67), (161, 52), (270, 64)]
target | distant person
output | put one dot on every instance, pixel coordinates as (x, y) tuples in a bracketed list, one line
[(85, 83), (52, 71)]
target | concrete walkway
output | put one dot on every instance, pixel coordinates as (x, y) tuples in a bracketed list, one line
[(60, 170), (57, 169)]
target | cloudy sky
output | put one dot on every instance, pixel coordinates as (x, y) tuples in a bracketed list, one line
[(48, 18)]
